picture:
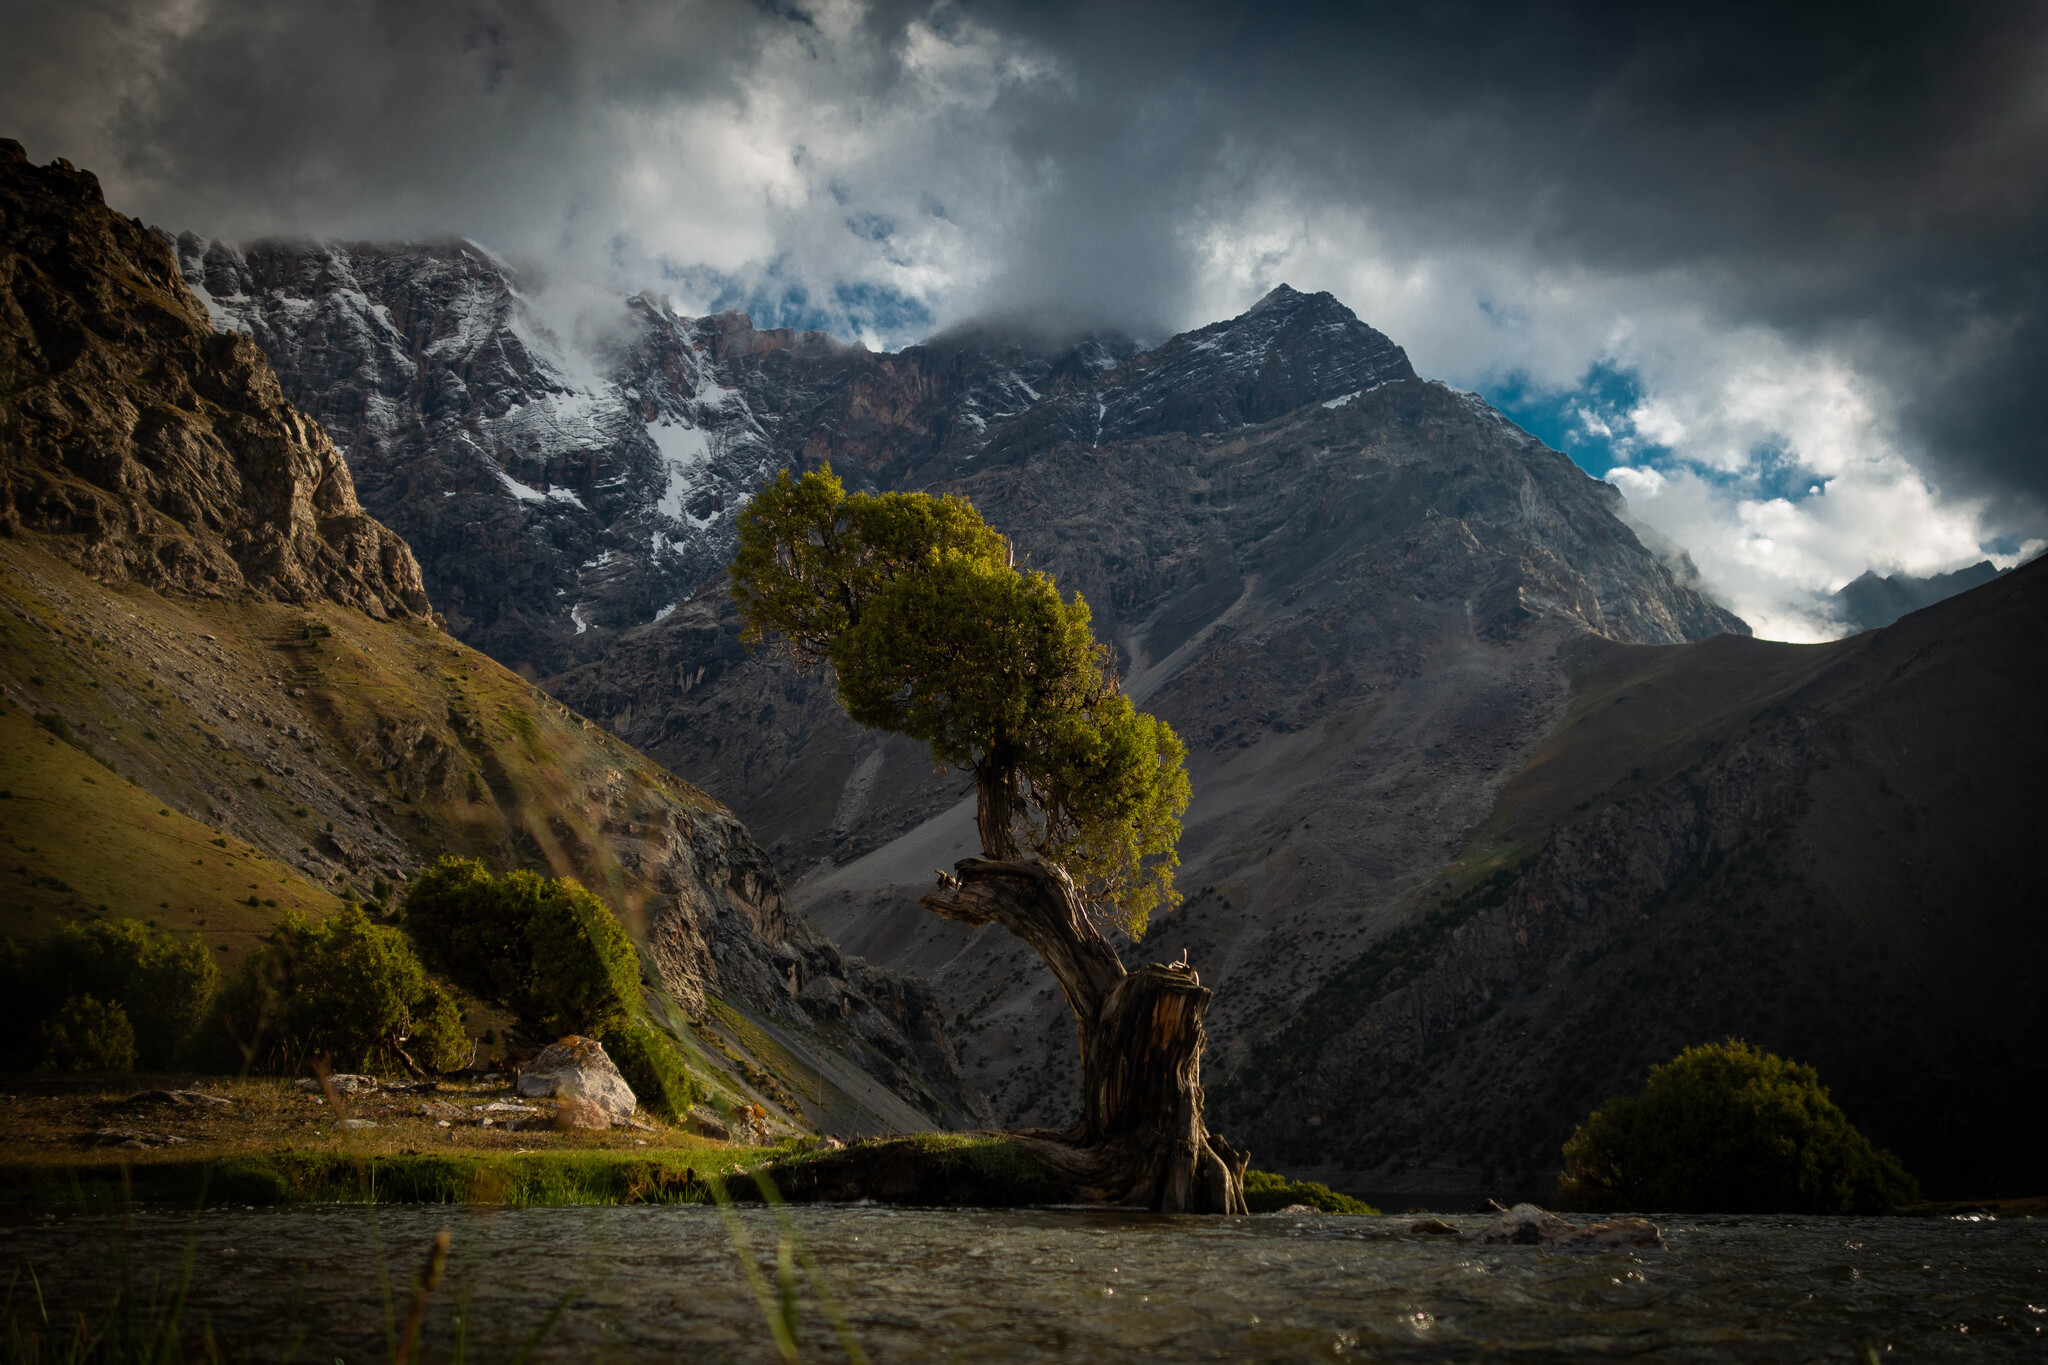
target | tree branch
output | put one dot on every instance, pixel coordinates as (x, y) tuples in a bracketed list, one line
[(1036, 902)]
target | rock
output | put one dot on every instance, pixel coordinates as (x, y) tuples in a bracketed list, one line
[(578, 1068), (1299, 1208), (224, 487), (709, 1124), (123, 1137), (1435, 1227), (576, 1112), (344, 1083), (750, 1126), (1623, 1232), (189, 1099), (355, 1125), (507, 1107), (440, 1109), (1527, 1225)]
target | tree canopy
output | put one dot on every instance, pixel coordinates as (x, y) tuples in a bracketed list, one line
[(545, 949), (1729, 1128), (931, 631), (158, 987), (348, 989)]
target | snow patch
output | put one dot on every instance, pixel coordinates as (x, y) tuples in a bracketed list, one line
[(685, 455), (520, 490), (662, 615)]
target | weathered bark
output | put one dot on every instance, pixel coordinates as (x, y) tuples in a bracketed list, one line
[(1140, 1139), (995, 806)]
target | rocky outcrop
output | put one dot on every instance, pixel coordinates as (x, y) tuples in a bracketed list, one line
[(149, 447)]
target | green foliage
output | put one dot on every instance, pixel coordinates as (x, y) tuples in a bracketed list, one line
[(1265, 1192), (1729, 1128), (547, 950), (349, 990), (86, 1034), (932, 632), (653, 1068), (164, 985)]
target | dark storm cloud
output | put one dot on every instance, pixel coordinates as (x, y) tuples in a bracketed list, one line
[(1875, 175), (1868, 179)]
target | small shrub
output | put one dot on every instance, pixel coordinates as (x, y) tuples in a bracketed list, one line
[(1729, 1128), (1265, 1192), (654, 1068), (86, 1034)]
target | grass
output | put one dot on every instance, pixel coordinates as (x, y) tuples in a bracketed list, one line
[(144, 860), (1265, 1192), (323, 749), (277, 1144)]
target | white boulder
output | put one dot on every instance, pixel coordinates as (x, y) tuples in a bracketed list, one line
[(578, 1068)]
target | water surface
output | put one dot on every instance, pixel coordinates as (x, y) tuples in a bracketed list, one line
[(664, 1284)]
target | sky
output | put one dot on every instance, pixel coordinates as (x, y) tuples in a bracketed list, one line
[(1778, 272)]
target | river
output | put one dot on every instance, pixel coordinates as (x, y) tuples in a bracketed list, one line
[(665, 1284)]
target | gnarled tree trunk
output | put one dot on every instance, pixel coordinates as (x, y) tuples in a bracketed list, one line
[(1140, 1140)]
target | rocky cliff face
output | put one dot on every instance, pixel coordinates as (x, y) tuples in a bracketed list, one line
[(153, 449), (197, 602)]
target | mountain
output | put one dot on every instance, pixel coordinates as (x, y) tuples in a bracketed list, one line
[(1823, 849), (1351, 612), (1345, 586), (1867, 601), (205, 628), (1493, 809)]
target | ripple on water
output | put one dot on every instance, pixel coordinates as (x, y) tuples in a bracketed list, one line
[(663, 1283)]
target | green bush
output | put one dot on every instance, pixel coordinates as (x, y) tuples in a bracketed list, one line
[(1729, 1128), (86, 1034), (349, 990), (163, 984), (546, 950), (654, 1068), (1265, 1192)]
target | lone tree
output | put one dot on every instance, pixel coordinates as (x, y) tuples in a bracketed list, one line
[(932, 632)]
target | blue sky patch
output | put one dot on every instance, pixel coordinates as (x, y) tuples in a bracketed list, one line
[(1572, 420)]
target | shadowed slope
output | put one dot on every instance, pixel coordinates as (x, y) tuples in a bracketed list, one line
[(1826, 850)]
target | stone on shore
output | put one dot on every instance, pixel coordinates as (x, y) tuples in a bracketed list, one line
[(578, 1068), (576, 1112)]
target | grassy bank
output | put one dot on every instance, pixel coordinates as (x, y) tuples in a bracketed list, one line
[(265, 1141), (302, 1176)]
